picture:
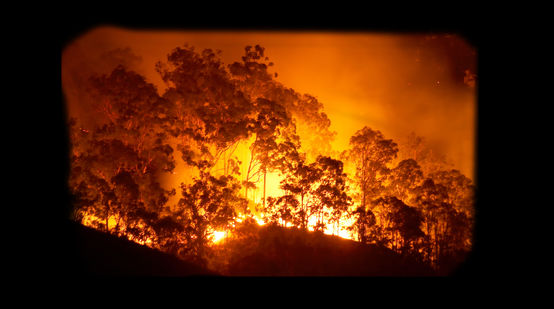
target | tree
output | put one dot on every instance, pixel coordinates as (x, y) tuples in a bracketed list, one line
[(115, 165), (432, 200), (273, 144), (365, 220), (316, 189), (208, 204), (456, 242), (201, 88), (460, 188), (400, 221), (300, 183), (211, 115), (446, 204), (252, 76), (407, 221), (169, 234), (330, 197), (403, 179), (370, 153), (278, 211)]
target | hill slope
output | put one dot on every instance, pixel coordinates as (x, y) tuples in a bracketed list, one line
[(91, 252), (274, 251), (263, 251)]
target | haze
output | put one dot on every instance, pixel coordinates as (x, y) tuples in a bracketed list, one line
[(395, 83)]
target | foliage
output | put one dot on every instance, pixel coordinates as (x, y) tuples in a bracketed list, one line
[(365, 221), (370, 152), (400, 222), (317, 189), (208, 204), (412, 207), (116, 166)]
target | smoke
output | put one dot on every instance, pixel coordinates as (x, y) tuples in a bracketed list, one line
[(395, 83), (86, 57)]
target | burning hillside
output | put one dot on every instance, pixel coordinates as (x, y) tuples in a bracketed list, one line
[(178, 152)]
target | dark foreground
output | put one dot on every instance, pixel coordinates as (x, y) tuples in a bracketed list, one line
[(265, 251), (274, 251), (91, 252)]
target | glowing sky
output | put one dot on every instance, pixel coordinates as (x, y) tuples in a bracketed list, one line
[(396, 83)]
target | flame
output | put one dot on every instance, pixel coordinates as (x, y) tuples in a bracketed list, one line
[(259, 221), (349, 103), (218, 236), (333, 228)]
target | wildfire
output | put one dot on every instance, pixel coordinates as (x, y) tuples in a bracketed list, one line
[(259, 221), (332, 229), (218, 236), (161, 165)]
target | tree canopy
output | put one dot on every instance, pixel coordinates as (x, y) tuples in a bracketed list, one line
[(207, 111)]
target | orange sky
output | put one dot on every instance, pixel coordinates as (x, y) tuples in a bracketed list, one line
[(394, 83)]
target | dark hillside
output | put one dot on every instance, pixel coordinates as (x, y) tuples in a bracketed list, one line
[(264, 251), (91, 252), (287, 252)]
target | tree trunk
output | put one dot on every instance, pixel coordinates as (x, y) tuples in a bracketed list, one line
[(363, 197), (117, 225), (303, 211), (248, 173), (265, 172), (436, 244), (107, 218), (224, 163)]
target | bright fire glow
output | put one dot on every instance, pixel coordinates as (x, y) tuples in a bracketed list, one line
[(218, 236), (259, 221), (350, 75), (331, 229)]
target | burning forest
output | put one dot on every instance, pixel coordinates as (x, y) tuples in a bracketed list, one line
[(206, 155)]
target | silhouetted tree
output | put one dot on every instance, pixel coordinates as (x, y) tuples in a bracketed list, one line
[(211, 115), (278, 211), (445, 207), (207, 205), (252, 76), (365, 221), (330, 200), (115, 166), (216, 109), (400, 222), (300, 183), (370, 152), (461, 190), (271, 144), (403, 179), (432, 201), (317, 189), (407, 221), (169, 234)]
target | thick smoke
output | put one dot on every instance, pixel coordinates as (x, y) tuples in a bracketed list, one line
[(397, 84)]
